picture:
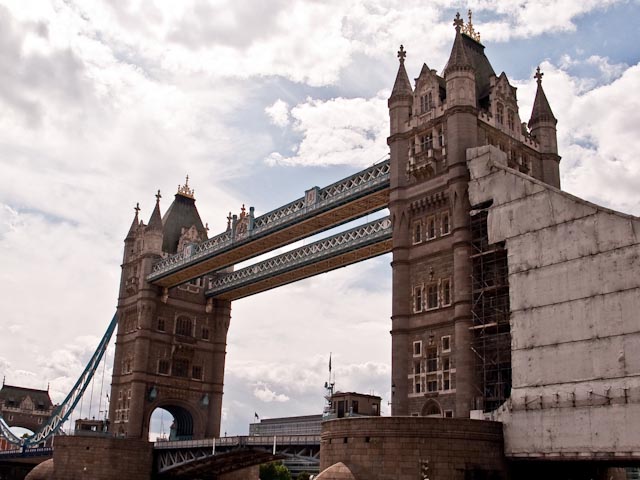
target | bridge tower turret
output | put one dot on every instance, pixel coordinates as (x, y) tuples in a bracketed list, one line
[(170, 344), (543, 129)]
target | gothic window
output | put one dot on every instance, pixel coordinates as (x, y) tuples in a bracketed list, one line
[(163, 367), (417, 348), (417, 299), (184, 327), (417, 232), (445, 224), (432, 359), (431, 228), (510, 120), (432, 296), (180, 368), (446, 292), (500, 114), (441, 137)]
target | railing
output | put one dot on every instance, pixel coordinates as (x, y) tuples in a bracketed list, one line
[(239, 441), (335, 194), (26, 452), (328, 247)]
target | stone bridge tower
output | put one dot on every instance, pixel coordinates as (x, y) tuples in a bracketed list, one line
[(170, 344), (433, 123)]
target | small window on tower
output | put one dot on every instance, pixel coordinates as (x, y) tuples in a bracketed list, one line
[(432, 359), (431, 228), (163, 367), (446, 344), (417, 348), (205, 333), (196, 372), (445, 223), (417, 387), (426, 142), (500, 114), (180, 368), (417, 232), (432, 296), (161, 324), (510, 120), (446, 292), (417, 367), (417, 299)]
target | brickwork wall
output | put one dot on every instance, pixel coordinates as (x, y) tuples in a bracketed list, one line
[(397, 448), (91, 458)]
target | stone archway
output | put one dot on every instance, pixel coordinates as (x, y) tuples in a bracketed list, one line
[(182, 426), (431, 408)]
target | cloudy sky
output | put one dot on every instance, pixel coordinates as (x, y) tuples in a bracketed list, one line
[(102, 103)]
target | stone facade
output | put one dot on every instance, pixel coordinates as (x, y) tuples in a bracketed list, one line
[(433, 123), (406, 448), (80, 458), (170, 343)]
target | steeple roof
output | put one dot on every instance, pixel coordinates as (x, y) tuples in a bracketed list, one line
[(181, 214), (458, 59), (155, 222), (135, 224), (541, 109), (468, 53), (402, 85)]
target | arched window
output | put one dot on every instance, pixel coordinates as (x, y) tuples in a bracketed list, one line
[(184, 327)]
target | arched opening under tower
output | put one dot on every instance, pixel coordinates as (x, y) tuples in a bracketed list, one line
[(170, 422), (431, 408)]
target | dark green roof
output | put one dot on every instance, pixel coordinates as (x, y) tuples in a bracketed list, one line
[(181, 214)]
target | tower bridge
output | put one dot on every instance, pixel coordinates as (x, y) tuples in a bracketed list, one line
[(512, 301)]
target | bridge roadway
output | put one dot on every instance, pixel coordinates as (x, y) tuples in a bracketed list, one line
[(320, 209), (345, 248), (211, 457)]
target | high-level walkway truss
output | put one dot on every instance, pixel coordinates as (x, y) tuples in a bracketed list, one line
[(319, 210)]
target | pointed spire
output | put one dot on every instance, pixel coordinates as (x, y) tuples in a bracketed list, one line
[(402, 85), (541, 109), (458, 60), (155, 222), (134, 224)]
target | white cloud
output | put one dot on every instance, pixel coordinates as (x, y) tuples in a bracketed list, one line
[(340, 131), (263, 393), (278, 113)]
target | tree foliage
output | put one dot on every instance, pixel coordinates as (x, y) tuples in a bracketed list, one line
[(274, 471)]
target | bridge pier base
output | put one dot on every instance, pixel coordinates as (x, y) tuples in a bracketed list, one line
[(100, 458)]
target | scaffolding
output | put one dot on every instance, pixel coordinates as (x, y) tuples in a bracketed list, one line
[(490, 311)]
